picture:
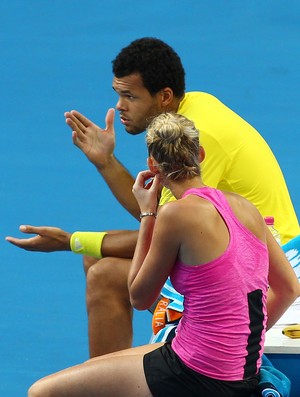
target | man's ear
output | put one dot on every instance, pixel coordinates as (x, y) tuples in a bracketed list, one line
[(166, 97), (201, 154)]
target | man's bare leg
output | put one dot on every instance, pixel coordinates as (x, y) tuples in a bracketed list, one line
[(108, 305)]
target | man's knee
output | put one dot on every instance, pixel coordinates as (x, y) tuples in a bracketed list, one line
[(88, 262), (107, 278), (107, 270)]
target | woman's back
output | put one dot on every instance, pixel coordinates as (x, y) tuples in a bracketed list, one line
[(224, 320), (204, 234)]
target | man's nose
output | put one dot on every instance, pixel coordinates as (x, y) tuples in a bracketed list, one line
[(120, 105)]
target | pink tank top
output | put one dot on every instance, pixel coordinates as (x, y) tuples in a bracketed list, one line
[(222, 331)]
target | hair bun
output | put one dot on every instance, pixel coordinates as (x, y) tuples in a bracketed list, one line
[(173, 141)]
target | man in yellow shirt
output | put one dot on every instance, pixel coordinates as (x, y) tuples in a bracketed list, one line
[(238, 159), (149, 79)]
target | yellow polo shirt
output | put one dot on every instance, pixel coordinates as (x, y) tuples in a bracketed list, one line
[(239, 160)]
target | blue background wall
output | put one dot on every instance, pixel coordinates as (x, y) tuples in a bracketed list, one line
[(56, 56)]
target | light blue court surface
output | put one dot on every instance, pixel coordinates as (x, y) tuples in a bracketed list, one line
[(56, 56)]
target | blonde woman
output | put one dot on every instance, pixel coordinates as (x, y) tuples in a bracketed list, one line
[(220, 255)]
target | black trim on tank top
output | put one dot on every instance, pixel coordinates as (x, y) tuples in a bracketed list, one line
[(256, 316)]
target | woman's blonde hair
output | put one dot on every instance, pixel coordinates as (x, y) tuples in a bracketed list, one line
[(173, 142)]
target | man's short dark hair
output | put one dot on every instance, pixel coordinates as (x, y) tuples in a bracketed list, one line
[(156, 62)]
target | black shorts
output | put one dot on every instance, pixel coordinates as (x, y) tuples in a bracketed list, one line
[(167, 375)]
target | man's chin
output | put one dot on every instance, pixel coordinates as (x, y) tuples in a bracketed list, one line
[(133, 131)]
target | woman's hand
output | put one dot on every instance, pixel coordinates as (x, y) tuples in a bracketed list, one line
[(145, 190)]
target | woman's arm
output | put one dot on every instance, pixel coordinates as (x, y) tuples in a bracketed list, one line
[(156, 252), (284, 287), (157, 244)]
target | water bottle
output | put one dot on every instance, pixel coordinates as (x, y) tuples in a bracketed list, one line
[(270, 223)]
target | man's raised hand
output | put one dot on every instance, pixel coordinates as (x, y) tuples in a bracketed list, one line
[(96, 143)]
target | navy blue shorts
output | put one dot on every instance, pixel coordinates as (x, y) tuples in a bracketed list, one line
[(167, 375)]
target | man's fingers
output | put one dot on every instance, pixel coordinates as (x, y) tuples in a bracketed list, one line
[(24, 229), (41, 230), (80, 118), (74, 123), (77, 139), (29, 229), (21, 243), (109, 119), (78, 134)]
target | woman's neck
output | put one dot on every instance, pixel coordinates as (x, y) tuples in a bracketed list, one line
[(178, 188)]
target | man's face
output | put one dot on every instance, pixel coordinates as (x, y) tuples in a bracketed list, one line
[(136, 106)]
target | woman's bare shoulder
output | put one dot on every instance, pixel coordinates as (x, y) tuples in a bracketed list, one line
[(246, 213), (238, 202)]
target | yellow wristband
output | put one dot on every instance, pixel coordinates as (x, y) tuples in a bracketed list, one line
[(87, 243)]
